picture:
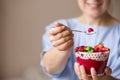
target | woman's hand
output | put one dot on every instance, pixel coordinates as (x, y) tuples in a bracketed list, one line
[(80, 71), (61, 37)]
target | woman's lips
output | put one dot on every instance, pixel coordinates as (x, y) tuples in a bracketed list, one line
[(94, 5)]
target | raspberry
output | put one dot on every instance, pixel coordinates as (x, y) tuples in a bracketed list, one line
[(80, 48), (90, 30)]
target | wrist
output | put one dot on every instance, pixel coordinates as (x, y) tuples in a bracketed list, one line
[(66, 51)]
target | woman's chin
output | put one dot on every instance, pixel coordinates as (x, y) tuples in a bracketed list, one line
[(94, 16)]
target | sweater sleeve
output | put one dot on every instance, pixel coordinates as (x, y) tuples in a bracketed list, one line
[(46, 45)]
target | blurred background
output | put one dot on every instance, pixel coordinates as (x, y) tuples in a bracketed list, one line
[(22, 24)]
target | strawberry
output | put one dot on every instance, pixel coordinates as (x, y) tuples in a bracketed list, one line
[(76, 49), (100, 48), (105, 49), (80, 48), (90, 30), (96, 49), (100, 45)]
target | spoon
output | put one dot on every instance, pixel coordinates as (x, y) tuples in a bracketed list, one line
[(89, 32)]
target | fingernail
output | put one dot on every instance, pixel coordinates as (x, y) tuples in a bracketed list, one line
[(92, 69), (63, 27), (76, 64), (81, 67)]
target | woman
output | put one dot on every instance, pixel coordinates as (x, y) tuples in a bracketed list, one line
[(58, 58)]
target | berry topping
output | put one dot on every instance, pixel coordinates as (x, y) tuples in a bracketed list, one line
[(90, 30), (97, 48), (80, 48), (100, 48)]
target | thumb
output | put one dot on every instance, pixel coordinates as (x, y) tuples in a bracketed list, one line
[(57, 24), (108, 71)]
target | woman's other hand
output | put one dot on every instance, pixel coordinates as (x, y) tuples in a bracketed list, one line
[(80, 71)]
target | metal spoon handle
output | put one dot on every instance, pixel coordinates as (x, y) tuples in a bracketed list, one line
[(79, 31)]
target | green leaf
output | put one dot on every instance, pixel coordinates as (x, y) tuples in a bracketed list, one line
[(89, 49)]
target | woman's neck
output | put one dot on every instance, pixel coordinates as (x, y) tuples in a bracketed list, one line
[(104, 20)]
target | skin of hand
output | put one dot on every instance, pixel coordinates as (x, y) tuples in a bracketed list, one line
[(61, 37), (80, 71), (56, 58)]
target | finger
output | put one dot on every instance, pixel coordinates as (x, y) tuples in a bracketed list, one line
[(108, 71), (83, 73), (61, 35), (58, 24), (66, 32), (66, 45), (77, 70), (61, 41), (94, 74), (55, 30)]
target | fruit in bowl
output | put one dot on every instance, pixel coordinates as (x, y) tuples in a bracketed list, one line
[(95, 57)]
